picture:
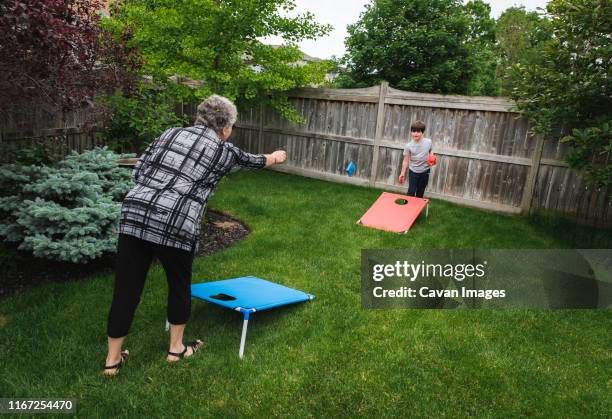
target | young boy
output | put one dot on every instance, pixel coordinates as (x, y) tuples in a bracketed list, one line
[(416, 158)]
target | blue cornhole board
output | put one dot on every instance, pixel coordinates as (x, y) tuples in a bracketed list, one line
[(247, 295)]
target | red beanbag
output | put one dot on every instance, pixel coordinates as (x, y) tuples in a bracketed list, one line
[(432, 159)]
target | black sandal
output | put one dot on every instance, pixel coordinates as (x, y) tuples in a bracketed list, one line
[(118, 365), (195, 345)]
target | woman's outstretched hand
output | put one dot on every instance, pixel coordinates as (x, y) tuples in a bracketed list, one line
[(277, 157), (280, 156)]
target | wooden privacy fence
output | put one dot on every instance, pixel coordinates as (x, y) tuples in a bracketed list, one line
[(55, 132), (58, 142), (486, 155), (487, 158)]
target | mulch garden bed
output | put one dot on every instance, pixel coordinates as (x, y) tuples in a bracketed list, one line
[(219, 231)]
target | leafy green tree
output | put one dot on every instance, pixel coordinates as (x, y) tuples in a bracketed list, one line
[(521, 36), (218, 42), (421, 45), (568, 95), (481, 41)]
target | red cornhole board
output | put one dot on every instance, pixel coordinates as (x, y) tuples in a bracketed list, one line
[(388, 215)]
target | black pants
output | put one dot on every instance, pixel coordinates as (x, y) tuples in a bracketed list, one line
[(134, 256), (417, 182)]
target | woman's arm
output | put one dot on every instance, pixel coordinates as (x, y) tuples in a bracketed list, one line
[(255, 161), (148, 153), (141, 160)]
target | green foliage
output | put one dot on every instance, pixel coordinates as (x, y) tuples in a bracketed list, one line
[(591, 148), (68, 212), (481, 42), (439, 46), (520, 35), (218, 42), (138, 118), (568, 94)]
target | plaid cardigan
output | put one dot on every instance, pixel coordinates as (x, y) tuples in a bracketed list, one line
[(175, 177)]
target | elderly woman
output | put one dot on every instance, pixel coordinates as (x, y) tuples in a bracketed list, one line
[(161, 217)]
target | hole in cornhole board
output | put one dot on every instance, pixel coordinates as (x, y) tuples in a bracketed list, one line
[(223, 297), (393, 212)]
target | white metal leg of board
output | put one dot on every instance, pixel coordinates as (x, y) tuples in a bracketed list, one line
[(427, 210), (245, 325)]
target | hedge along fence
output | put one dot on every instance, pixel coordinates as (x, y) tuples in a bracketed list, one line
[(487, 157)]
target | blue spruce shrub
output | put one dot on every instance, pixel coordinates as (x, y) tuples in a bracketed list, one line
[(68, 212), (13, 178)]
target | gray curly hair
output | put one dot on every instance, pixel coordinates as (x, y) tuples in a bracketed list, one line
[(216, 112)]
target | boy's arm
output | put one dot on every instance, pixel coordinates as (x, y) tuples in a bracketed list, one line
[(432, 159), (405, 162)]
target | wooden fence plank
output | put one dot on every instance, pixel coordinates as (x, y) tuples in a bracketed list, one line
[(531, 178), (380, 121)]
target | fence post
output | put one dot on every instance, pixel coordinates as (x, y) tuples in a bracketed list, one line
[(260, 144), (532, 176), (380, 127)]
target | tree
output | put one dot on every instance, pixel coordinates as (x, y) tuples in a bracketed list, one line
[(419, 45), (218, 42), (520, 37), (481, 41), (568, 95), (54, 55)]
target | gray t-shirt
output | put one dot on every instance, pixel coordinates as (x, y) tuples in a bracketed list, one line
[(419, 153)]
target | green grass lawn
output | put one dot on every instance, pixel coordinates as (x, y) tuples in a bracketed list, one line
[(327, 357)]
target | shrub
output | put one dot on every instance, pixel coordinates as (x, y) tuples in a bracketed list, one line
[(137, 119), (68, 212)]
